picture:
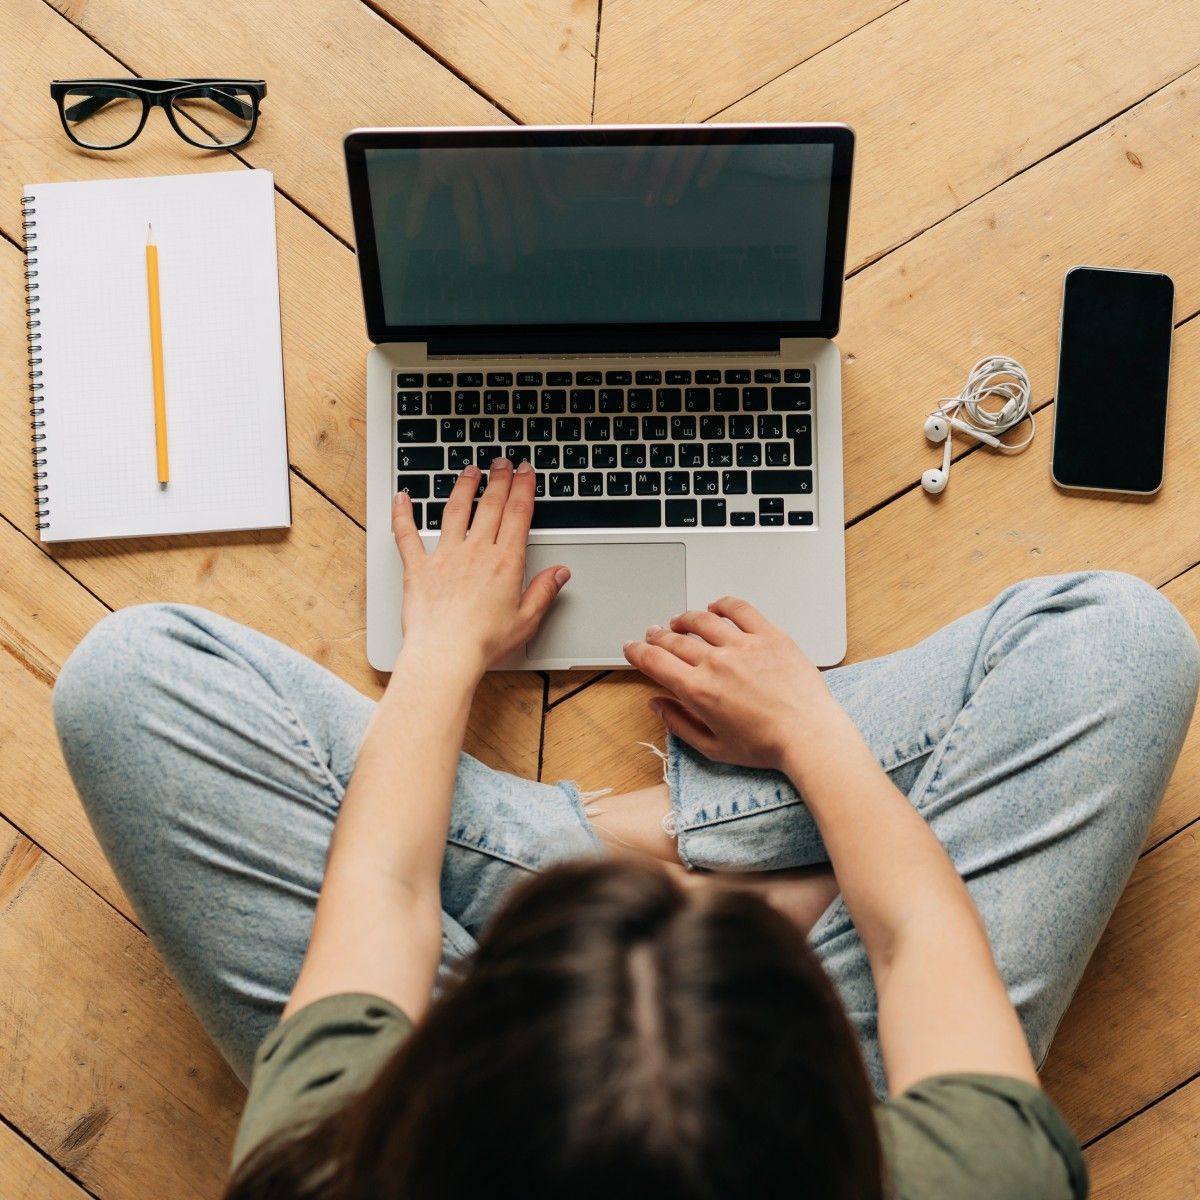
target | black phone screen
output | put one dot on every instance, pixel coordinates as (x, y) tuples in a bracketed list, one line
[(1110, 411)]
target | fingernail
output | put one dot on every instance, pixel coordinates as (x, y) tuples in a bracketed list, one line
[(655, 708), (561, 576), (653, 630), (471, 471), (626, 645), (524, 468), (500, 463)]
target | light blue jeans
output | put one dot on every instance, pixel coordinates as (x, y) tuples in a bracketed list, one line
[(1036, 737)]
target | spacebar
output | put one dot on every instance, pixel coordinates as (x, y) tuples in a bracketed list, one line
[(596, 514)]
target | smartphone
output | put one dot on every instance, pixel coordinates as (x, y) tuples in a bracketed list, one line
[(1114, 362)]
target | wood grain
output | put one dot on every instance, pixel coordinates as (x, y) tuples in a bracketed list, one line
[(105, 1069), (26, 1175)]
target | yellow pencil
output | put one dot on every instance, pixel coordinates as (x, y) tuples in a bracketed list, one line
[(156, 358)]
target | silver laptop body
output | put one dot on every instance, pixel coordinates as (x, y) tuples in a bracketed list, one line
[(646, 313)]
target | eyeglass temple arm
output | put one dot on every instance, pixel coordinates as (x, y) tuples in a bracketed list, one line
[(92, 105)]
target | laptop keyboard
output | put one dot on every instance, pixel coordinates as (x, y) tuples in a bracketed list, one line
[(702, 447)]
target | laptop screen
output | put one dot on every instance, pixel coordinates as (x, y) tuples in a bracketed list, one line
[(655, 232)]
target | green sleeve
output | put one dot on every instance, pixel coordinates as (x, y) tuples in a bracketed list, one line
[(979, 1137), (315, 1061)]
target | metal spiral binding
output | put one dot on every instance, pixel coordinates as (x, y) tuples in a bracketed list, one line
[(33, 340)]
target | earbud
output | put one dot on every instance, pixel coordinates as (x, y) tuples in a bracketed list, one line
[(935, 479), (937, 429)]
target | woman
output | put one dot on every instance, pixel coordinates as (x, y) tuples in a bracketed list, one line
[(696, 988)]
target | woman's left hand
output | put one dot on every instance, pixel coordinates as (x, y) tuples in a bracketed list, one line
[(464, 602)]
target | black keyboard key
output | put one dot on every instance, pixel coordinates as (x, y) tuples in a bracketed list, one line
[(754, 399), (618, 483), (418, 515), (597, 514), (720, 454), (483, 429), (588, 378), (495, 402), (749, 454), (545, 458), (575, 458), (597, 429), (771, 504), (691, 454), (668, 400), (567, 429), (499, 379), (458, 457), (408, 404), (708, 376), (769, 426), (410, 379), (683, 428), (539, 429), (529, 379), (517, 454), (741, 518), (583, 400), (770, 518), (706, 483), (662, 454), (780, 483), (558, 379), (712, 427), (654, 429), (470, 379), (591, 483), (640, 400), (554, 401), (712, 512), (737, 375), (433, 515), (650, 377), (697, 400), (539, 483), (791, 399), (726, 400), (618, 378), (512, 429), (682, 513), (612, 400), (416, 486), (562, 484), (466, 404), (486, 455), (625, 429), (524, 402), (778, 454), (633, 455), (800, 518), (439, 379), (733, 483), (410, 432), (766, 375), (679, 376), (741, 427), (604, 455), (452, 429), (443, 485), (647, 483), (796, 375), (437, 404), (679, 483), (799, 429)]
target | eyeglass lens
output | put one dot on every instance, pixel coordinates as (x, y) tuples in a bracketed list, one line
[(102, 116), (214, 114)]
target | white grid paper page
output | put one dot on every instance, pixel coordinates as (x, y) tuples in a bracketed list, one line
[(222, 361)]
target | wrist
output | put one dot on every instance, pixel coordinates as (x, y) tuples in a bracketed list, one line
[(456, 667), (829, 737)]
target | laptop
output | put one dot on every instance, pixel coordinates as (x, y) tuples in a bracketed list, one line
[(644, 313)]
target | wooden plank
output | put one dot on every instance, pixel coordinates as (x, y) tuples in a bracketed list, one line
[(713, 54), (561, 684), (106, 1070), (949, 100), (1130, 1034), (536, 60), (26, 1175), (1155, 1157), (340, 66)]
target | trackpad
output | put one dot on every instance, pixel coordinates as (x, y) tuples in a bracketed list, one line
[(614, 593)]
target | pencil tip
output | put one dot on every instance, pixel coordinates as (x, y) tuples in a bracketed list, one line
[(149, 234), (162, 485)]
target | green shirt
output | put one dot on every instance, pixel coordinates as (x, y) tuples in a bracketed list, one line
[(951, 1137)]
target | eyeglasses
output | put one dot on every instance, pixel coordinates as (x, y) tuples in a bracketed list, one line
[(106, 114)]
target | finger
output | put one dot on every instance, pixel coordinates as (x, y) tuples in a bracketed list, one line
[(466, 211), (660, 665), (713, 629), (690, 649), (742, 613), (495, 495), (683, 723), (457, 512), (542, 591), (404, 529), (518, 510)]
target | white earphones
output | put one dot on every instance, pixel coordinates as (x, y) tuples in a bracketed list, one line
[(994, 376)]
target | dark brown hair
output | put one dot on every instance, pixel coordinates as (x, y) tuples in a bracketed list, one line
[(615, 1036)]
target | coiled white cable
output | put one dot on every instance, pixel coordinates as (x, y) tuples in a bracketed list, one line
[(996, 376)]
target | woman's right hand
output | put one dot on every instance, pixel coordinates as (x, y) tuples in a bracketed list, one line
[(744, 692)]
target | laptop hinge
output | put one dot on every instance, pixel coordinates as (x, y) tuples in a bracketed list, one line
[(632, 342)]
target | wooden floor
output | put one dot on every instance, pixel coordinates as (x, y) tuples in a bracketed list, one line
[(999, 144)]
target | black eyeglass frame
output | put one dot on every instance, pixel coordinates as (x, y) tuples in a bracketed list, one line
[(161, 93)]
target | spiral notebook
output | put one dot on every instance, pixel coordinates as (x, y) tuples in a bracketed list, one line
[(90, 357)]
